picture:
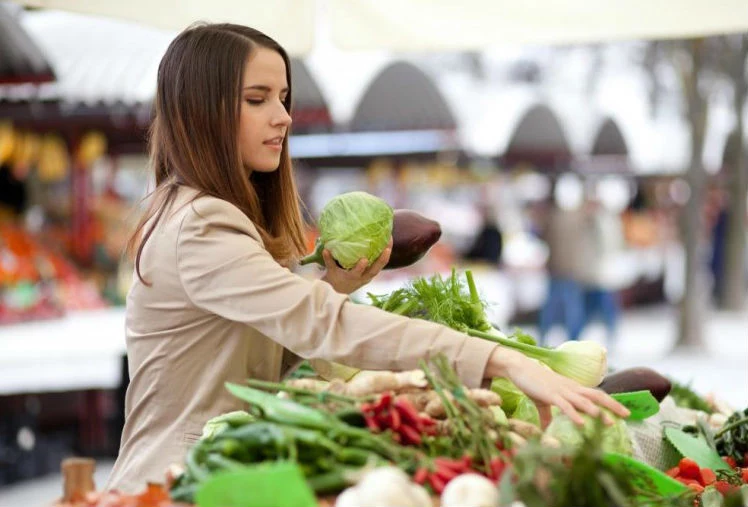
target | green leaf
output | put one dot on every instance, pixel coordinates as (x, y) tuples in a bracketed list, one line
[(648, 480), (277, 484), (696, 448), (641, 404)]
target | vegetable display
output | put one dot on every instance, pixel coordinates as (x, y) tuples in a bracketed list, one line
[(413, 438)]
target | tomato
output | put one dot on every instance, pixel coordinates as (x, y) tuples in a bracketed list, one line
[(698, 488), (723, 487), (730, 461), (689, 469), (707, 477), (673, 472)]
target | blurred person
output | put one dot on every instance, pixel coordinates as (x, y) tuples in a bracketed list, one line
[(564, 301), (488, 244), (603, 242), (213, 298)]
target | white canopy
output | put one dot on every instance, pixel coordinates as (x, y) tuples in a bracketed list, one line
[(435, 25)]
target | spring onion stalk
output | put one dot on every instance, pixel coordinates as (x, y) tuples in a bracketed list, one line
[(584, 361)]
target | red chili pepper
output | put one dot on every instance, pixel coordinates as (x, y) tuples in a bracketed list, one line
[(383, 420), (467, 460), (410, 435), (372, 424), (420, 476), (744, 474), (689, 469), (707, 477), (408, 412), (497, 468), (730, 461), (385, 400), (431, 431), (456, 465), (367, 407), (426, 420), (395, 419), (673, 472), (437, 484), (446, 473), (745, 459)]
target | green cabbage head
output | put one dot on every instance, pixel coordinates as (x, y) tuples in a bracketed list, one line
[(353, 226), (615, 438)]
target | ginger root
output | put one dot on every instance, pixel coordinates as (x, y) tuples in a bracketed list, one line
[(373, 382)]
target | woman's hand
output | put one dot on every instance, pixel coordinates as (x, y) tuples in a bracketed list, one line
[(547, 388), (347, 281)]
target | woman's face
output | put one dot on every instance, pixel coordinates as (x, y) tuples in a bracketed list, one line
[(263, 121)]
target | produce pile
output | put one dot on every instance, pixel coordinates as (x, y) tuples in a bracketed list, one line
[(338, 436)]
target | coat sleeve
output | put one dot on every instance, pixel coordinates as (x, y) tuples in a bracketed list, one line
[(226, 271)]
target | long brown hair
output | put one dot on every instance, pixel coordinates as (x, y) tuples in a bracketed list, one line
[(193, 138)]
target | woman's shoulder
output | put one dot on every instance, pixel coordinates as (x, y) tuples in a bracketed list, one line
[(201, 210)]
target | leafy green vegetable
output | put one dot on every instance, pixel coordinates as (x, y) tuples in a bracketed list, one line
[(732, 438), (582, 476), (353, 226), (527, 411), (225, 421), (695, 447), (614, 438), (685, 397), (510, 394), (446, 301)]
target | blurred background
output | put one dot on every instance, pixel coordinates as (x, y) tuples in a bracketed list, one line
[(596, 185)]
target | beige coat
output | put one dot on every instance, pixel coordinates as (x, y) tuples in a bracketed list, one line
[(220, 309)]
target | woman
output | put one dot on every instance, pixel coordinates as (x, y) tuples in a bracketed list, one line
[(213, 300)]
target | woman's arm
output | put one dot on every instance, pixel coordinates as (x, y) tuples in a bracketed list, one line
[(225, 271)]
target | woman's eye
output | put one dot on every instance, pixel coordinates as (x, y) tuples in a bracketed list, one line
[(255, 102)]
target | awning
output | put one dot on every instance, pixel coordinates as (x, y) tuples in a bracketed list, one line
[(435, 25), (21, 61)]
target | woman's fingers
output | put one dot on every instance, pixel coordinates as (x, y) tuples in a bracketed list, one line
[(568, 409), (329, 261), (544, 411), (360, 267), (584, 404), (380, 263), (604, 400)]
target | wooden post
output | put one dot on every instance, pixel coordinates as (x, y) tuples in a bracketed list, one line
[(78, 479)]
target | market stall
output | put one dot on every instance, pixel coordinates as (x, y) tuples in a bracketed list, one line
[(332, 434)]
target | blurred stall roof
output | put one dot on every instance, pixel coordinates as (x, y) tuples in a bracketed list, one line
[(21, 61), (101, 61), (402, 97), (609, 140), (538, 138)]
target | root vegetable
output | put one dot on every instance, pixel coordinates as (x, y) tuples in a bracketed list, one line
[(517, 439), (524, 428), (484, 397), (435, 408), (419, 399), (309, 384), (371, 382)]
